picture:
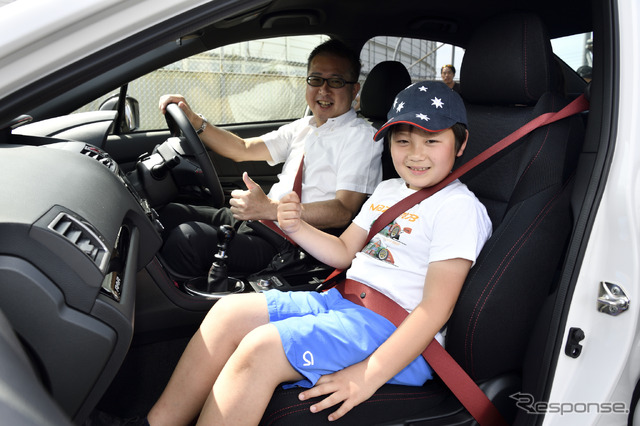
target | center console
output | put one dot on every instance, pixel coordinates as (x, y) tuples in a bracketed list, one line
[(300, 273)]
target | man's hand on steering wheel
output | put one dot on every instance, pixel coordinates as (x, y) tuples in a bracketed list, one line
[(180, 118), (184, 106)]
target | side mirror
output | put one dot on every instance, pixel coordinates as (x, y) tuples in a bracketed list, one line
[(131, 120)]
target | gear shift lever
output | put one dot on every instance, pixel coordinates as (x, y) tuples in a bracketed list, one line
[(217, 280), (217, 283)]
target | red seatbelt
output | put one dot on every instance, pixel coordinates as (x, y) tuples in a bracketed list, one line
[(297, 188), (456, 379), (297, 182)]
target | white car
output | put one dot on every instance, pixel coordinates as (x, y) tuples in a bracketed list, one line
[(93, 321)]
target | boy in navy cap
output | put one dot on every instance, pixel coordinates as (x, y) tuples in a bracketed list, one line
[(250, 343)]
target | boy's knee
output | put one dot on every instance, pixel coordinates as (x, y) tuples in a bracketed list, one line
[(261, 344), (236, 315), (224, 310), (261, 355)]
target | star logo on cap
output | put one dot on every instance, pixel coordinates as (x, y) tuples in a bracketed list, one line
[(422, 116), (423, 88), (437, 102), (400, 107)]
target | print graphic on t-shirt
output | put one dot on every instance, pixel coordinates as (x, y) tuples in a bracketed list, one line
[(393, 230), (409, 217), (381, 245), (378, 250)]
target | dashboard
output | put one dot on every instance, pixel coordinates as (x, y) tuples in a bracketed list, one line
[(74, 231)]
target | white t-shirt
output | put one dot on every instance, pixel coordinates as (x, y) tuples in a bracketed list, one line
[(339, 155), (452, 223)]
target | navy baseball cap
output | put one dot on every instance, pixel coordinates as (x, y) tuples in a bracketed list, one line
[(429, 105)]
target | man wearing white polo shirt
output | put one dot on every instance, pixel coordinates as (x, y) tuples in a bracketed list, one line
[(341, 167)]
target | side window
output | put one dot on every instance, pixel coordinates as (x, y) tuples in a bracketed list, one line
[(252, 81), (577, 52), (423, 58)]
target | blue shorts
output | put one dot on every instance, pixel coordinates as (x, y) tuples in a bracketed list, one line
[(323, 333)]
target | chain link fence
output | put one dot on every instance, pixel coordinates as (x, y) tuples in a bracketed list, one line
[(260, 80)]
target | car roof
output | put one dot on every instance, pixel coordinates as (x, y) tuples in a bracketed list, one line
[(356, 21), (213, 24)]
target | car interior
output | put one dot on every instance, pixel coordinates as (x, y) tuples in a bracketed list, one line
[(92, 319)]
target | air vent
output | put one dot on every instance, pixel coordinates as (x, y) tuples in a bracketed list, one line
[(100, 156), (81, 235)]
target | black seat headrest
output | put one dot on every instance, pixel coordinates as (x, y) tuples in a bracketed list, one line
[(508, 61), (380, 88)]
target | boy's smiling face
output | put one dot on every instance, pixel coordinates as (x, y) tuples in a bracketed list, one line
[(423, 158)]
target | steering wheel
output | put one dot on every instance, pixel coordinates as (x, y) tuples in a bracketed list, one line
[(179, 123)]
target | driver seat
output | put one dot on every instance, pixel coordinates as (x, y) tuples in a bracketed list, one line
[(527, 192)]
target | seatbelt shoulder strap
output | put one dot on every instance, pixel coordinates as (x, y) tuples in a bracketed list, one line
[(297, 188)]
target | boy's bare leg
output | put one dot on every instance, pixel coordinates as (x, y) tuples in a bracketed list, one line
[(245, 385), (220, 333)]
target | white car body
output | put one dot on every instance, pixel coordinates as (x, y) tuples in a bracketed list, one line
[(607, 369), (42, 36), (39, 37)]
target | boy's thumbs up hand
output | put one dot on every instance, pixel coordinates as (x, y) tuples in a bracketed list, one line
[(290, 213)]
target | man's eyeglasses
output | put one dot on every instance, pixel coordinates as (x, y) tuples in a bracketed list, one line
[(333, 82)]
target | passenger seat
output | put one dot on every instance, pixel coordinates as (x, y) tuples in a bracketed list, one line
[(379, 90), (508, 77)]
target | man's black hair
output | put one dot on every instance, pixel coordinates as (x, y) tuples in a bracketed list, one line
[(337, 48), (453, 69)]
